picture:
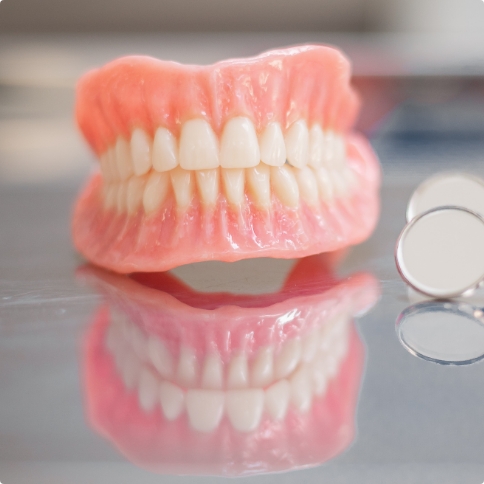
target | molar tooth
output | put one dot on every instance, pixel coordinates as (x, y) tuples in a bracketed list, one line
[(301, 391), (238, 372), (285, 185), (164, 150), (319, 377), (335, 150), (121, 197), (187, 367), (308, 186), (259, 183), (198, 146), (244, 408), (208, 185), (325, 185), (130, 369), (160, 357), (156, 191), (212, 373), (111, 196), (297, 139), (339, 183), (316, 146), (148, 390), (262, 371), (182, 181), (288, 358), (140, 151), (135, 193), (277, 399), (234, 182), (272, 147), (112, 165), (124, 164), (172, 400), (139, 342), (310, 345), (105, 167), (205, 409), (239, 147)]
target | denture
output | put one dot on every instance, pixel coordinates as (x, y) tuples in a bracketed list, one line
[(188, 382), (244, 158)]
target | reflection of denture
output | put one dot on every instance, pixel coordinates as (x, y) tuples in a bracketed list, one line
[(240, 159), (163, 376)]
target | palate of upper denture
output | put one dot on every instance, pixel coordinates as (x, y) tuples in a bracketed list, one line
[(220, 383), (245, 158)]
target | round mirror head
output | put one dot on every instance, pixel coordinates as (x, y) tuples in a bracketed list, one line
[(441, 252), (444, 189), (443, 332)]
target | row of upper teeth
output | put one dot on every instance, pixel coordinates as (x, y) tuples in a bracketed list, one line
[(243, 405), (287, 183), (198, 148)]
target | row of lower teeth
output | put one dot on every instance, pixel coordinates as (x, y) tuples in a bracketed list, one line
[(287, 183), (198, 148)]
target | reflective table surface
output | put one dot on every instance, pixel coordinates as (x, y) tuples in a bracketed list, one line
[(76, 341)]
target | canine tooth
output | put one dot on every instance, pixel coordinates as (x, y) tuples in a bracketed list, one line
[(130, 369), (259, 183), (244, 408), (205, 409), (164, 150), (140, 151), (182, 182), (156, 191), (121, 197), (285, 185), (272, 147), (297, 140), (262, 371), (325, 186), (301, 391), (111, 196), (308, 186), (234, 182), (212, 373), (187, 367), (160, 357), (316, 146), (239, 147), (148, 390), (123, 158), (136, 186), (310, 345), (288, 358), (277, 399), (172, 400), (238, 372), (208, 185), (198, 146)]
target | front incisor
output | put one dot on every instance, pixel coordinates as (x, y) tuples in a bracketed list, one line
[(208, 185), (239, 147), (198, 147)]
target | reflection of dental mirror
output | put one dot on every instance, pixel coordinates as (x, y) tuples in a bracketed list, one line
[(448, 333), (458, 189), (440, 252)]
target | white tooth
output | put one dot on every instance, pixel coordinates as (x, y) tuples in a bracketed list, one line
[(160, 357), (262, 370), (113, 166), (259, 184), (339, 183), (316, 146), (105, 167), (183, 184), (272, 147), (277, 399), (123, 158), (331, 364), (156, 191), (301, 391), (111, 196), (212, 373), (164, 150), (325, 185), (285, 185), (139, 342), (208, 185), (335, 150), (244, 408), (140, 151), (234, 182), (148, 390), (239, 147), (121, 197), (310, 345), (172, 400), (238, 372), (205, 409), (130, 369), (136, 187), (308, 186), (297, 140), (187, 367), (319, 377), (112, 338), (288, 358), (198, 146)]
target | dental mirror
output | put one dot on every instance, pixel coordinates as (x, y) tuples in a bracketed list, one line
[(447, 333), (440, 253), (444, 189)]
